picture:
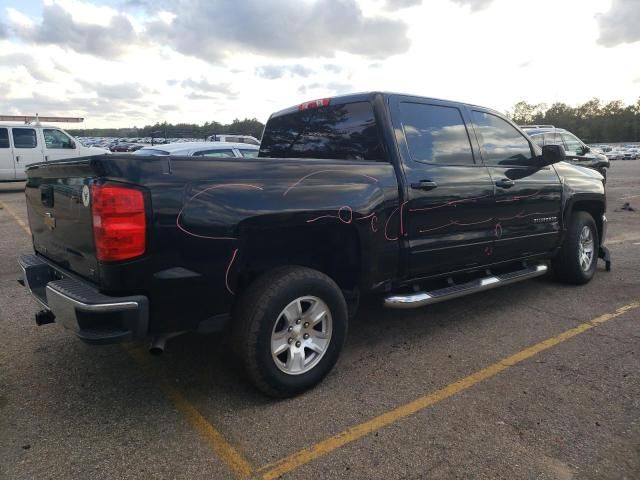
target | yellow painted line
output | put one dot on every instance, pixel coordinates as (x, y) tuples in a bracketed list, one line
[(233, 459), (15, 216), (287, 464), (230, 455)]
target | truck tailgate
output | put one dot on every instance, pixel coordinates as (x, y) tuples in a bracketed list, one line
[(58, 204)]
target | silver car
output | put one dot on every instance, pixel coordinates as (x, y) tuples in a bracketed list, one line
[(202, 149)]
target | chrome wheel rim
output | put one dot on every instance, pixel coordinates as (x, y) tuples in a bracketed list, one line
[(301, 335), (585, 248)]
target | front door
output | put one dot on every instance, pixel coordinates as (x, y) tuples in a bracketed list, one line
[(26, 149), (58, 145), (449, 198), (7, 165), (528, 197)]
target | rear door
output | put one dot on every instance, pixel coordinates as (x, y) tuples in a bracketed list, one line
[(447, 214), (528, 197), (7, 162), (26, 148)]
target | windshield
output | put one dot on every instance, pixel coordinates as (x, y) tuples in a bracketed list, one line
[(343, 132)]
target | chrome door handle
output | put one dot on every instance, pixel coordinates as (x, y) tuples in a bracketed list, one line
[(505, 183), (424, 185)]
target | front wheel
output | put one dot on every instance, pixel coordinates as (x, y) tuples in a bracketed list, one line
[(289, 328), (578, 258)]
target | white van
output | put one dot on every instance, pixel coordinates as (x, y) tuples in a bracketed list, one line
[(24, 144)]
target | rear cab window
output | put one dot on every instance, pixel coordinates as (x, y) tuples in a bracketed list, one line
[(346, 131)]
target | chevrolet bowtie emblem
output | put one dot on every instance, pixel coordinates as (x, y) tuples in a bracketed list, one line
[(49, 221)]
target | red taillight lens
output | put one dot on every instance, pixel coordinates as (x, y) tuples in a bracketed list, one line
[(119, 222), (322, 102)]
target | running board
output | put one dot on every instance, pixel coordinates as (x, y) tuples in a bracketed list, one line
[(419, 299)]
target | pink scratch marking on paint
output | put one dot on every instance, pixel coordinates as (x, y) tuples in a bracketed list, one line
[(455, 222), (386, 225), (214, 187), (374, 221), (226, 276), (339, 216), (325, 171), (452, 203), (518, 197), (521, 215)]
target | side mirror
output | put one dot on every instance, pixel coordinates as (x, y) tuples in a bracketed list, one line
[(552, 154), (585, 149), (71, 144)]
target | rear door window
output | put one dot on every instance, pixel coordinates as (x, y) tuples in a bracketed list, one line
[(501, 143), (225, 153), (4, 138), (24, 138), (248, 153), (342, 132), (436, 134)]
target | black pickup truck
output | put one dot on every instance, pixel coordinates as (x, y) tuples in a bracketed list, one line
[(412, 199)]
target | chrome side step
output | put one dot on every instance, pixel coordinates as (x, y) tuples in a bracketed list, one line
[(419, 299)]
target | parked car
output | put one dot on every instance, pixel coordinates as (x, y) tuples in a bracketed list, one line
[(577, 152), (613, 154), (202, 149), (24, 144), (411, 199), (629, 153), (234, 138)]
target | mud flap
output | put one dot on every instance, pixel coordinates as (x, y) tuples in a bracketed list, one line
[(606, 256)]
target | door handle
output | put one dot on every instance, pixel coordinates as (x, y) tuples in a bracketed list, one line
[(505, 183), (46, 158), (424, 185), (17, 158)]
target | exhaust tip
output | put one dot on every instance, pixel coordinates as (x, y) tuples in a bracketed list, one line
[(156, 351)]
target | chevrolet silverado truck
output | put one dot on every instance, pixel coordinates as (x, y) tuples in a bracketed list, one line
[(410, 199)]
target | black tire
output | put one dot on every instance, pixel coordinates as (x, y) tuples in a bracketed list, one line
[(258, 312), (567, 265)]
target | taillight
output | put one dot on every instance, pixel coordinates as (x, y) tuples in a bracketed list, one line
[(119, 222), (322, 102)]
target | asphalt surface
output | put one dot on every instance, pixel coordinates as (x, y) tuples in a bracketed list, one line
[(69, 410)]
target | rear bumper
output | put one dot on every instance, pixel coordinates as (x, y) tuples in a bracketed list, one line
[(77, 305)]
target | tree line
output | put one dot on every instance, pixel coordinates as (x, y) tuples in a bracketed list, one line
[(592, 122), (248, 126)]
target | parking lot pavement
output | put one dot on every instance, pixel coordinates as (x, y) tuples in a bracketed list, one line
[(487, 386)]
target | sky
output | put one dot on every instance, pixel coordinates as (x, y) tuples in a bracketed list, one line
[(125, 63)]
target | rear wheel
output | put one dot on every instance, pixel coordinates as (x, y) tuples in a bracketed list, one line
[(578, 258), (289, 328)]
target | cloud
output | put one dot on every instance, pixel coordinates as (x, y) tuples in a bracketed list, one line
[(4, 31), (399, 4), (476, 5), (202, 29), (17, 60), (119, 91), (273, 72), (621, 24), (204, 89), (59, 28), (331, 88)]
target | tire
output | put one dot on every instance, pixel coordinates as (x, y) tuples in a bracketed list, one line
[(570, 265), (281, 350)]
